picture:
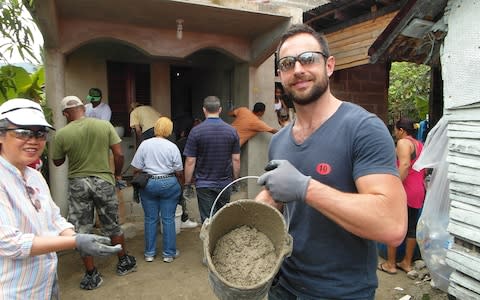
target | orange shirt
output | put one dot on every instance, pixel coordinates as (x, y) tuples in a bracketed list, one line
[(248, 124)]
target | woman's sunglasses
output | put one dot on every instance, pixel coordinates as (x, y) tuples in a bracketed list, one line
[(26, 134)]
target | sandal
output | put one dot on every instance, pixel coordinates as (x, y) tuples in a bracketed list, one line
[(399, 266), (383, 269)]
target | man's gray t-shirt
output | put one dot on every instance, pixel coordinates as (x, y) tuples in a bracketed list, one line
[(328, 261)]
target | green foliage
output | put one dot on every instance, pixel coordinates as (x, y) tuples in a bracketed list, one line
[(409, 91), (16, 29), (17, 82)]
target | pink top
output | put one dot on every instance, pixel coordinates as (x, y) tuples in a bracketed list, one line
[(413, 183)]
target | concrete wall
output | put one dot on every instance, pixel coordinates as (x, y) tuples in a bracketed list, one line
[(55, 90), (153, 41), (160, 87), (255, 151), (365, 85), (87, 67)]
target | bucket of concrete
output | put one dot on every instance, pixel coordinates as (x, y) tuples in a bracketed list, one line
[(244, 244)]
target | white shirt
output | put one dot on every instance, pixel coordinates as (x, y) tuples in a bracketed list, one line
[(158, 156), (102, 111)]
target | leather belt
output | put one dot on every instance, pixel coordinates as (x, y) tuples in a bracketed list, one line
[(161, 176)]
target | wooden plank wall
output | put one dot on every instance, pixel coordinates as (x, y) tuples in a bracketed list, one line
[(350, 45), (463, 172)]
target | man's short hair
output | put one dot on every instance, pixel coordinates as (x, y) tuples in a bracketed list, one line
[(259, 107), (303, 28), (211, 104)]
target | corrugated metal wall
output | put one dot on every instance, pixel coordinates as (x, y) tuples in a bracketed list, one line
[(460, 63), (464, 174)]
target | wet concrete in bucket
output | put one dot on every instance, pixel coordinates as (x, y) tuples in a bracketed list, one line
[(244, 256)]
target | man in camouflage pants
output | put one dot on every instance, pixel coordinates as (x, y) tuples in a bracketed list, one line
[(87, 143)]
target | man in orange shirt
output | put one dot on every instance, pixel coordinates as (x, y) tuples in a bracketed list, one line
[(248, 123)]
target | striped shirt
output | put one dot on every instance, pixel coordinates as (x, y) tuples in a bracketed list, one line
[(212, 143), (23, 276)]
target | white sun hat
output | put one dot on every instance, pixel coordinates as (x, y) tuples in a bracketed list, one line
[(23, 112)]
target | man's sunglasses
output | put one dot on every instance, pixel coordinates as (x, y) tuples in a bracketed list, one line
[(306, 58), (26, 134)]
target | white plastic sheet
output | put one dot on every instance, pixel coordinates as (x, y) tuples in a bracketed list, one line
[(432, 235)]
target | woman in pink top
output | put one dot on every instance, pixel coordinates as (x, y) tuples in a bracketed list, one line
[(408, 149)]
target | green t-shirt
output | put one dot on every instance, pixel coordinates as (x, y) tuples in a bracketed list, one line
[(86, 143)]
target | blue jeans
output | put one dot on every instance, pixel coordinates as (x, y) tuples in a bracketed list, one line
[(160, 196), (206, 197)]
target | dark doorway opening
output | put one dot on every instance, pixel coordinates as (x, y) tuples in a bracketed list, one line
[(127, 82), (181, 97)]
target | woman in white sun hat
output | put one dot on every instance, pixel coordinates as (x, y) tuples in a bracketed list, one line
[(31, 227)]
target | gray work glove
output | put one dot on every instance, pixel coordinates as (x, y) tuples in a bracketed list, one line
[(188, 191), (284, 182), (120, 184), (95, 245)]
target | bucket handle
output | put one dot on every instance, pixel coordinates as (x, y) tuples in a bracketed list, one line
[(237, 180), (226, 187)]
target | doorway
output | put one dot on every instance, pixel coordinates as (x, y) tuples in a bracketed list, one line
[(181, 101), (127, 82)]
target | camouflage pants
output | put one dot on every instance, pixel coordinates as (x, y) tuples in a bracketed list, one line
[(87, 194)]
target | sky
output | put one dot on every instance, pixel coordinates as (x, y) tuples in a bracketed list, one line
[(38, 40)]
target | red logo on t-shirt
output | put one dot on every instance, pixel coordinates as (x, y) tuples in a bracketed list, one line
[(323, 169)]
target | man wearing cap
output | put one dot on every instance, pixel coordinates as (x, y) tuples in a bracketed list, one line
[(31, 227), (96, 108), (87, 142)]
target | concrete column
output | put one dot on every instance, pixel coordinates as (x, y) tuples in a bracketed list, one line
[(55, 91), (160, 85), (255, 151)]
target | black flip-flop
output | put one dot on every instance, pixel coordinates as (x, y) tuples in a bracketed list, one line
[(381, 268)]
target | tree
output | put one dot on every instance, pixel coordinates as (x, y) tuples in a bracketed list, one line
[(16, 36), (20, 83), (16, 29), (409, 91)]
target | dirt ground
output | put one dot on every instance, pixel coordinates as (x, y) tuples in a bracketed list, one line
[(186, 277)]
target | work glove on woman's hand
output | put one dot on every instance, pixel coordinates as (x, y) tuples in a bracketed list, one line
[(95, 245), (284, 182)]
